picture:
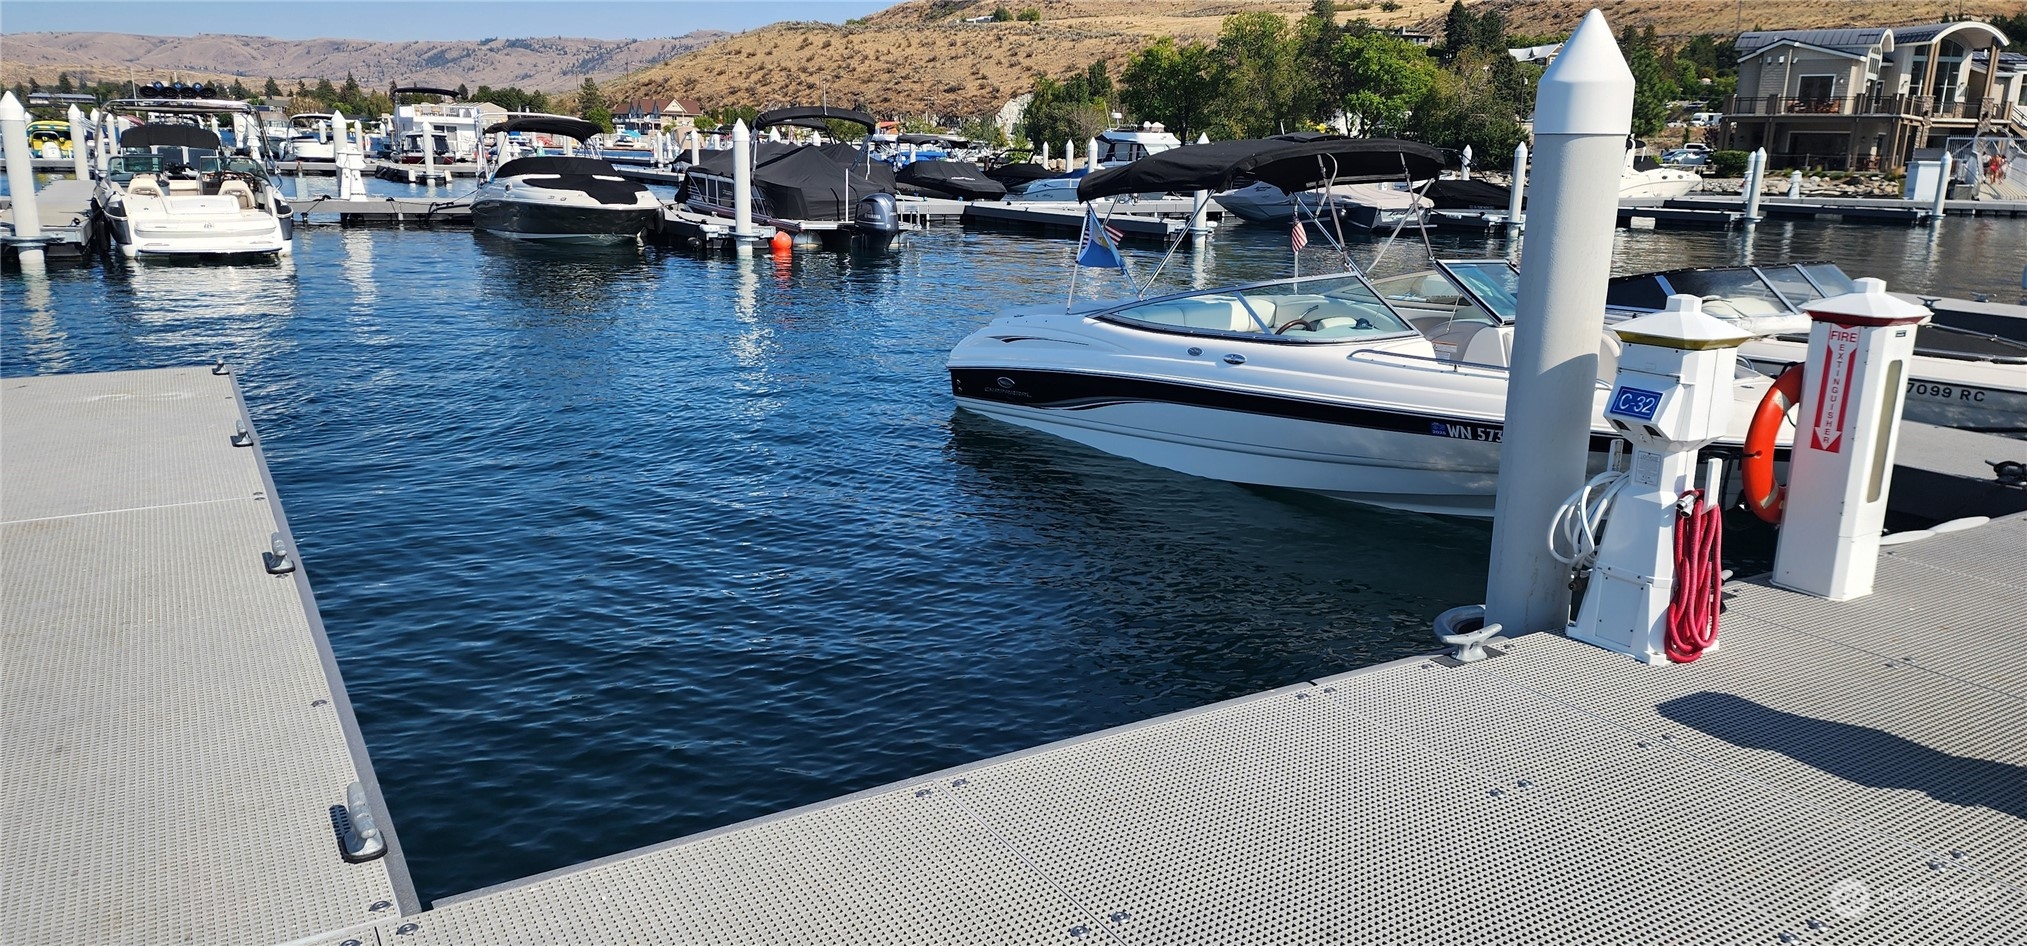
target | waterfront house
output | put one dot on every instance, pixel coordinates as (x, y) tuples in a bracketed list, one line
[(1866, 98)]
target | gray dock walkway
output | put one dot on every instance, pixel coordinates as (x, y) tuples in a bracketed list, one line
[(176, 734), (64, 209), (1835, 773), (173, 729)]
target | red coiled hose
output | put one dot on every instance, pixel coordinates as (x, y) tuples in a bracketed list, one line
[(1699, 578)]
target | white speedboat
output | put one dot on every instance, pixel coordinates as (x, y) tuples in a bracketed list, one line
[(174, 191), (1318, 383), (1365, 206), (563, 198), (311, 138), (1643, 177)]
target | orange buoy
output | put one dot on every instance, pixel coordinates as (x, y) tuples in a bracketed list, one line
[(1763, 495), (782, 242)]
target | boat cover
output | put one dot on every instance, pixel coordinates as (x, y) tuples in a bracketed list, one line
[(1012, 174), (1287, 163), (164, 135), (585, 175), (576, 128), (813, 116), (800, 182), (1467, 195), (960, 179)]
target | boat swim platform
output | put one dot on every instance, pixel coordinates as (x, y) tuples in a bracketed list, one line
[(64, 209), (1836, 772), (174, 734)]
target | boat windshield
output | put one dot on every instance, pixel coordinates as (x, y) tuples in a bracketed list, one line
[(1317, 309), (1828, 277), (1793, 286), (1729, 293)]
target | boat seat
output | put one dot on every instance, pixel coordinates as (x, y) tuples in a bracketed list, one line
[(179, 185), (1223, 313), (239, 190), (144, 185), (1490, 345)]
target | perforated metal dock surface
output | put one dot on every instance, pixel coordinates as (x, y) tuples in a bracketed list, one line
[(173, 731), (1836, 773)]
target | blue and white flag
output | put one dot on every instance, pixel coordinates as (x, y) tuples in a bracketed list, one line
[(1099, 245)]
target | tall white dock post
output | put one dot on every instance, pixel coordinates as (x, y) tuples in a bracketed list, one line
[(1583, 113), (1200, 202), (1755, 170), (1853, 387), (1069, 155), (428, 154), (109, 140), (79, 159), (1045, 154), (1518, 198), (1942, 186), (1091, 154), (341, 155), (1795, 184), (101, 151), (742, 182), (21, 180), (696, 148)]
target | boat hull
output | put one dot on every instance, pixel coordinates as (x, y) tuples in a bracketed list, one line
[(1384, 457), (529, 220)]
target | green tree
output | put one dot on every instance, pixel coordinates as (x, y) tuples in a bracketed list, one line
[(350, 90), (1176, 85), (272, 89), (63, 83), (1653, 85), (1000, 14), (1320, 93), (238, 90), (463, 94), (1386, 77), (1256, 66), (592, 106), (1031, 15)]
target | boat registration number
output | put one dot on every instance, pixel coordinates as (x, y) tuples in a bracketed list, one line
[(1634, 402), (1947, 392), (1456, 431)]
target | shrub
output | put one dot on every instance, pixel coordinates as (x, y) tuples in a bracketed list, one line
[(1031, 15), (1728, 163)]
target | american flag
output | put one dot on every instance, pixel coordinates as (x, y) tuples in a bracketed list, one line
[(1299, 237), (1114, 233)]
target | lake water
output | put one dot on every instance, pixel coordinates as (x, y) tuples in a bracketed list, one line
[(617, 545)]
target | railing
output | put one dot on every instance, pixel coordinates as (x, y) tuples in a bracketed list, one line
[(1997, 166), (1915, 106)]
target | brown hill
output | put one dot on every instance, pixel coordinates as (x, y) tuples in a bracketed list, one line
[(548, 64), (919, 57)]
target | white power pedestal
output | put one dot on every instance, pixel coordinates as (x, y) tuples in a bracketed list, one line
[(1853, 387), (1673, 395)]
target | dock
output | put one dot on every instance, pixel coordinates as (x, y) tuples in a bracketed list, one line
[(64, 207), (1062, 215), (394, 210), (178, 745), (1833, 772)]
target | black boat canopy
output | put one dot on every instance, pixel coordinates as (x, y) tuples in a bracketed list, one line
[(422, 90), (576, 128), (1291, 164), (1012, 174), (168, 136), (813, 116), (947, 141), (959, 179)]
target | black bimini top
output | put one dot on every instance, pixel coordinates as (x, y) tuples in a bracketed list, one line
[(1292, 163), (168, 136), (813, 116), (576, 128), (422, 90), (960, 179)]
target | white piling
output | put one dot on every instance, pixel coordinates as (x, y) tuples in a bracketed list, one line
[(1583, 113), (1069, 155), (1466, 170), (1755, 169), (696, 148), (1091, 154), (1794, 185), (100, 154), (428, 154), (1045, 154), (21, 179), (78, 158), (1942, 186), (1200, 201), (742, 182), (1518, 198)]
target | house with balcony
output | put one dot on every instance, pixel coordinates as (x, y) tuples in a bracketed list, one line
[(1866, 98)]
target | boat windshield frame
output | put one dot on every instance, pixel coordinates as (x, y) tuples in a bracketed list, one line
[(1822, 280), (1250, 312)]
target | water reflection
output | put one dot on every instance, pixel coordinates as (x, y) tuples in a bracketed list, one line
[(536, 282), (44, 335)]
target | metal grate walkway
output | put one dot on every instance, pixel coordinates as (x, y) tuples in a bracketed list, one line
[(173, 732), (1837, 773)]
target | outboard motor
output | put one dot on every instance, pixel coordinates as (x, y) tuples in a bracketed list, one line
[(875, 221)]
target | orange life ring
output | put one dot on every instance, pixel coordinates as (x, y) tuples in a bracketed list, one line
[(1756, 470)]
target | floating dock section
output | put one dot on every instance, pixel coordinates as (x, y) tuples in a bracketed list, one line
[(176, 747), (1835, 772)]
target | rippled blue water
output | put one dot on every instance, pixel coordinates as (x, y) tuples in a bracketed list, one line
[(619, 545)]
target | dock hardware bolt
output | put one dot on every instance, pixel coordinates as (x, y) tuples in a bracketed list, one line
[(240, 436), (277, 558), (362, 833), (218, 367)]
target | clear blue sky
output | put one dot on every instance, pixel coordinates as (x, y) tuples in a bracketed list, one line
[(419, 19)]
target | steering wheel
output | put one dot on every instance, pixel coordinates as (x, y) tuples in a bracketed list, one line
[(236, 176), (1283, 330)]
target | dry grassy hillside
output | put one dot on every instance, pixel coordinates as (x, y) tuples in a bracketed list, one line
[(917, 57)]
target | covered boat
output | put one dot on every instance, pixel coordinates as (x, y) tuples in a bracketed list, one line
[(959, 180)]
